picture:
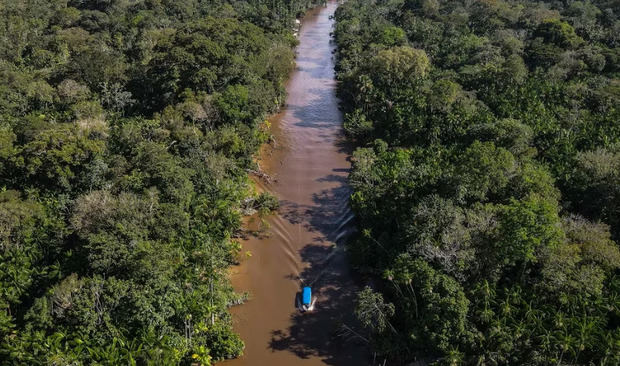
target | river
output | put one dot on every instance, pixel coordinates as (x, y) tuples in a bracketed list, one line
[(304, 243)]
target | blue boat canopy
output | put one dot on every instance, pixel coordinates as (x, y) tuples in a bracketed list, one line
[(306, 295)]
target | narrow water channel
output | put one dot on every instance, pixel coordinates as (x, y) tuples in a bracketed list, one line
[(310, 164)]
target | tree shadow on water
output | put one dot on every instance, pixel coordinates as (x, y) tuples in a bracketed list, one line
[(317, 333)]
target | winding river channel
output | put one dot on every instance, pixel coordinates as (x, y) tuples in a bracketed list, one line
[(303, 245)]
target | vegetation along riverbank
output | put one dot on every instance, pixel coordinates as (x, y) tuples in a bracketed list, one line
[(126, 132), (486, 182)]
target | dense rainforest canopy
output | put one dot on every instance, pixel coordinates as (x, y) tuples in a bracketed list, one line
[(487, 178), (126, 129)]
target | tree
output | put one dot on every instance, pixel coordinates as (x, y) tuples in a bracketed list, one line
[(483, 172), (398, 65), (596, 185), (580, 264), (54, 157), (372, 311), (439, 322), (525, 228)]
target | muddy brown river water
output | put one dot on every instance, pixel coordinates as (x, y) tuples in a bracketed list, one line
[(304, 242)]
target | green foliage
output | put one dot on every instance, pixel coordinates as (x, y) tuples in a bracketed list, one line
[(485, 183), (398, 64), (483, 171), (266, 202), (126, 130), (596, 185), (433, 299), (525, 228), (372, 311), (559, 33)]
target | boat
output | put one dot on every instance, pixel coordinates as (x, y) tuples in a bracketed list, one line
[(306, 301)]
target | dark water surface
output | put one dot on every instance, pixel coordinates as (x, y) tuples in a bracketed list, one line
[(303, 245)]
